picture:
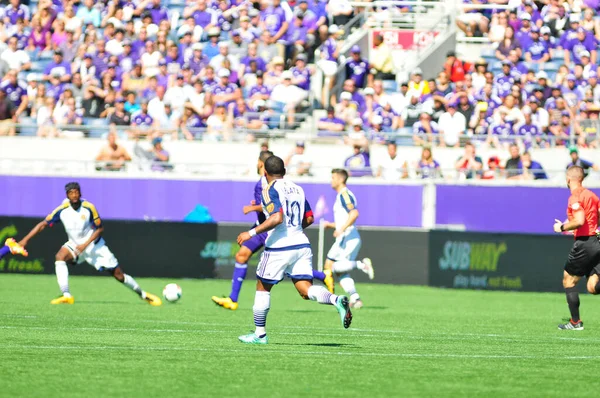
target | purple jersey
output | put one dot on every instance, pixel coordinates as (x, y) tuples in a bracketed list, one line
[(503, 84), (295, 34), (219, 89), (223, 23), (59, 70), (524, 37), (194, 122), (302, 74), (197, 64), (577, 47), (55, 91), (387, 116), (263, 90), (428, 170), (258, 189), (418, 128), (273, 18), (260, 63), (333, 120), (537, 49), (141, 119), (14, 92), (359, 165), (159, 14), (502, 129), (328, 48), (310, 21), (357, 71), (101, 63), (13, 14), (202, 18), (529, 130)]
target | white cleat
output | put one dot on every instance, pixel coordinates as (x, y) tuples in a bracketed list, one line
[(368, 268)]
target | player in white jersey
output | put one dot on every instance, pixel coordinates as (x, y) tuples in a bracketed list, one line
[(287, 250), (341, 258), (84, 231)]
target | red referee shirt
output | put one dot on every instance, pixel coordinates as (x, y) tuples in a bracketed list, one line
[(583, 199)]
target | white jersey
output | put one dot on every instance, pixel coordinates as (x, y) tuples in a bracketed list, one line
[(345, 201), (79, 224), (288, 198)]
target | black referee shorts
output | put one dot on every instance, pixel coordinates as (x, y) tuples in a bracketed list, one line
[(584, 257)]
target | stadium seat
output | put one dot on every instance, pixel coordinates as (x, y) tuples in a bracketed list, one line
[(30, 130), (488, 52), (390, 86), (97, 127), (550, 67)]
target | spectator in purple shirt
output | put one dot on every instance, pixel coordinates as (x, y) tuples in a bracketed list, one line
[(359, 163), (296, 36), (301, 73), (58, 71), (15, 11), (330, 123), (357, 68), (524, 34), (574, 48), (206, 18), (537, 52), (273, 18), (160, 156)]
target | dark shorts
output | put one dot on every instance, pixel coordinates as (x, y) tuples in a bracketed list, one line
[(256, 242), (584, 257)]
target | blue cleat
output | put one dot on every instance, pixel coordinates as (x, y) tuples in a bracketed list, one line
[(343, 307), (253, 339)]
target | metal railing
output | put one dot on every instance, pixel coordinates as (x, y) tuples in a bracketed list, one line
[(590, 129), (139, 167)]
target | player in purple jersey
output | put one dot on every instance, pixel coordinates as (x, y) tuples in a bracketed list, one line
[(12, 247), (251, 246)]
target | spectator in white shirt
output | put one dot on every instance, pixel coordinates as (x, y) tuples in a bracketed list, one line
[(452, 126), (392, 168), (150, 59), (176, 94), (16, 59), (288, 95), (156, 106), (217, 61), (297, 163)]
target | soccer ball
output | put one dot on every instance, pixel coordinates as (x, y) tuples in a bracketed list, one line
[(172, 292)]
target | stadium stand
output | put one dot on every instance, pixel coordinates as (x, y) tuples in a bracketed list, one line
[(339, 73)]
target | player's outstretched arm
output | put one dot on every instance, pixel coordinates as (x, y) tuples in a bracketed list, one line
[(274, 220), (36, 230)]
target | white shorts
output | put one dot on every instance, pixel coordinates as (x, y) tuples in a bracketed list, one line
[(275, 264), (98, 255), (345, 248)]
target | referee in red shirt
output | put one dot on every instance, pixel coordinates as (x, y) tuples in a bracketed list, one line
[(584, 258)]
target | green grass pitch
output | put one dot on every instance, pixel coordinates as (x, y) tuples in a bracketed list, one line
[(406, 342)]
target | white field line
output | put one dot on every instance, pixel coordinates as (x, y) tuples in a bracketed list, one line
[(146, 330), (252, 351), (371, 333)]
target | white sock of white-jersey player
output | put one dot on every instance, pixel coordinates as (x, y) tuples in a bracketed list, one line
[(262, 304), (349, 287), (133, 285), (62, 276)]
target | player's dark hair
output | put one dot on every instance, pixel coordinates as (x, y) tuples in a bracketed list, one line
[(264, 155), (342, 173), (72, 185), (275, 166)]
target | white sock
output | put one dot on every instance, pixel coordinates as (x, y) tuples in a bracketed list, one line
[(321, 295), (347, 284), (343, 266), (62, 276), (133, 285), (262, 303)]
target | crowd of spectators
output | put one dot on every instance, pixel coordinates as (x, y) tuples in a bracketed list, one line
[(210, 68)]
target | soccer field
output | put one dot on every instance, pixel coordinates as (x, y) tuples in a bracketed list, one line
[(407, 341)]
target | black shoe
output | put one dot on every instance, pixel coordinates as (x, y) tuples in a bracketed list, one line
[(571, 325)]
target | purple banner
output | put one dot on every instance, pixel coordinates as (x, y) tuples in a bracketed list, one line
[(171, 200), (502, 209)]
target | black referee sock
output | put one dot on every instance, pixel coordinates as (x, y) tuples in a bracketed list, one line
[(597, 288), (573, 301)]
